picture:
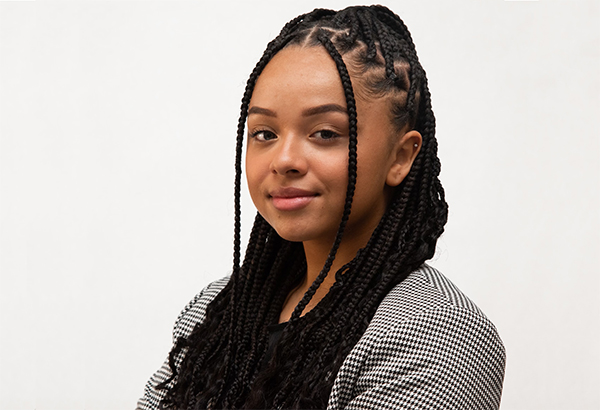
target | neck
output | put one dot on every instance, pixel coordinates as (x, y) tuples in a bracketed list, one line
[(316, 256), (316, 253)]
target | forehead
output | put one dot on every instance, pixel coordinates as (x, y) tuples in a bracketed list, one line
[(296, 72)]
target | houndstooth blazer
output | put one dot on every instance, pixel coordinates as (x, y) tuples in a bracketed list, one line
[(427, 347)]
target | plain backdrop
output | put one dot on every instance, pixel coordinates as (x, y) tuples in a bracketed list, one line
[(118, 122)]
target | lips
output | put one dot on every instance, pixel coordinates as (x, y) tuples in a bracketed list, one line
[(291, 199)]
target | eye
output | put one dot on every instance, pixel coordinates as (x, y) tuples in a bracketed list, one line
[(263, 135), (325, 135)]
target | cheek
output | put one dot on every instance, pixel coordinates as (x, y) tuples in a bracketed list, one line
[(372, 175), (253, 175), (332, 167)]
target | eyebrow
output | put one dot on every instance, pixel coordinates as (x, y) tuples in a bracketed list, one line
[(320, 109), (263, 111), (323, 109)]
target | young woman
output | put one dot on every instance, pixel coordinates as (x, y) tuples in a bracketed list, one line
[(333, 306)]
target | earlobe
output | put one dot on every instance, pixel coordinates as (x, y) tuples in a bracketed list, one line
[(405, 152)]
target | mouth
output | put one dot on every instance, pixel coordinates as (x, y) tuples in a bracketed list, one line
[(291, 199)]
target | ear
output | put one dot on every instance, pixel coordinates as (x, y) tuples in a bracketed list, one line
[(404, 153)]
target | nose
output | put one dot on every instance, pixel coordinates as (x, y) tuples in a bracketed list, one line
[(289, 158)]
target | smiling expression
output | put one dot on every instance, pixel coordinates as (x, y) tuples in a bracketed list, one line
[(297, 154)]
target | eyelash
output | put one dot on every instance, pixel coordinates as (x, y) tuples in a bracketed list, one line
[(332, 134), (255, 133)]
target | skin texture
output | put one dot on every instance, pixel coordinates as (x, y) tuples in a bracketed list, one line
[(298, 140)]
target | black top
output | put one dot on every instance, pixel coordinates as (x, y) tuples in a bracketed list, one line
[(275, 332)]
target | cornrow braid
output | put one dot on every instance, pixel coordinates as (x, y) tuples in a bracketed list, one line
[(223, 363), (369, 39)]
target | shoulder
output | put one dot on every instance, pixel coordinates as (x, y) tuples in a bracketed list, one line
[(195, 311), (427, 346), (423, 290)]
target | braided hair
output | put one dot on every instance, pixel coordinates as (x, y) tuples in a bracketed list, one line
[(217, 365)]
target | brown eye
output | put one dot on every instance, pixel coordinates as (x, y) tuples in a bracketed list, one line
[(263, 135), (325, 134)]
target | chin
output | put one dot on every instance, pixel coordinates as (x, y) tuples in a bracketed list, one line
[(291, 236), (299, 230), (294, 234)]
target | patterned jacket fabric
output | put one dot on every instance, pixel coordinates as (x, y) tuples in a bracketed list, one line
[(427, 347)]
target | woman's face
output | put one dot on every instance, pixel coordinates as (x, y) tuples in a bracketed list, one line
[(297, 155)]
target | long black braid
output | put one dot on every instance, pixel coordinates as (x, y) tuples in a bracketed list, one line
[(217, 366)]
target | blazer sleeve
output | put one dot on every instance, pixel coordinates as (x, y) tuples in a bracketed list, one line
[(193, 313), (445, 358)]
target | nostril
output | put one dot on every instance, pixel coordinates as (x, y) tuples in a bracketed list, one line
[(276, 170)]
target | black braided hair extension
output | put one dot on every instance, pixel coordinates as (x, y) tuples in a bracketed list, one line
[(217, 366)]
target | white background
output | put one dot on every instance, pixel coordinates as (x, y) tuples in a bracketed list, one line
[(118, 122)]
